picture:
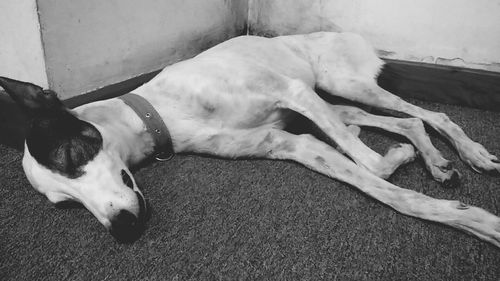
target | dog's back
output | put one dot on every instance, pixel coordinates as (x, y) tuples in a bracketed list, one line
[(300, 56), (249, 70)]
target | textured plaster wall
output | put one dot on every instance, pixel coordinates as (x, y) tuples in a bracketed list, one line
[(451, 32), (21, 53), (93, 43)]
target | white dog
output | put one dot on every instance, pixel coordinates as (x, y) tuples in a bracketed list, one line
[(234, 100)]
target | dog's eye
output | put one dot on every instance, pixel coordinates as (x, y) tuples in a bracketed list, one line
[(127, 180)]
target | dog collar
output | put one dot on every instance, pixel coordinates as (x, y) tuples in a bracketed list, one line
[(154, 124)]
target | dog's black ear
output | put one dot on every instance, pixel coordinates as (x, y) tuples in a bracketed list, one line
[(30, 97)]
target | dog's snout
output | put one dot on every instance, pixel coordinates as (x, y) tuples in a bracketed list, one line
[(124, 220), (125, 226)]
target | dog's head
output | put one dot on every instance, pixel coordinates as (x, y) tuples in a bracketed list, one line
[(65, 159)]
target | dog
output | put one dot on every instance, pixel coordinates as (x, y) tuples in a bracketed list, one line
[(234, 100)]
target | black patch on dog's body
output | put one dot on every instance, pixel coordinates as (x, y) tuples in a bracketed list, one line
[(63, 143)]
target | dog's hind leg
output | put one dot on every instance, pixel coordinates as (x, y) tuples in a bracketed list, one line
[(368, 92), (413, 129), (302, 99), (322, 158)]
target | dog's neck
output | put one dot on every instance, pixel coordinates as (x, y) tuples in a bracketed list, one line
[(123, 131)]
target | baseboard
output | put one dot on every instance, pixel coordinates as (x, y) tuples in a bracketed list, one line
[(430, 82), (111, 91), (442, 84)]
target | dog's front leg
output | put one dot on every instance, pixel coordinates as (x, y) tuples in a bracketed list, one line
[(320, 157)]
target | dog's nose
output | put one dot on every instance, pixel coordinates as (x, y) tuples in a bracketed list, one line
[(125, 227)]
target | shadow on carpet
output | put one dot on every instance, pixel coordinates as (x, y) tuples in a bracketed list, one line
[(255, 219)]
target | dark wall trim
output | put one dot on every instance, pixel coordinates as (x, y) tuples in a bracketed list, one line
[(436, 83), (442, 84), (111, 91)]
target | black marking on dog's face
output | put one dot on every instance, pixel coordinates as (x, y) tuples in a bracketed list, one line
[(56, 138), (63, 143)]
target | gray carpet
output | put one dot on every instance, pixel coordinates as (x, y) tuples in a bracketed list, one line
[(255, 219)]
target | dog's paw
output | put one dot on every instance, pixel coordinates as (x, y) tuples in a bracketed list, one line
[(444, 172), (453, 179), (479, 158)]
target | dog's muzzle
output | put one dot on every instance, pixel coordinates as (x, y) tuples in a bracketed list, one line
[(127, 227)]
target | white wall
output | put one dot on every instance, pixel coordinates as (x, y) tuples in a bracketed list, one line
[(453, 32), (21, 53), (93, 43), (88, 44)]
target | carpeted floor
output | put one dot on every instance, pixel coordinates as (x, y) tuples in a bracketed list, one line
[(254, 220)]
